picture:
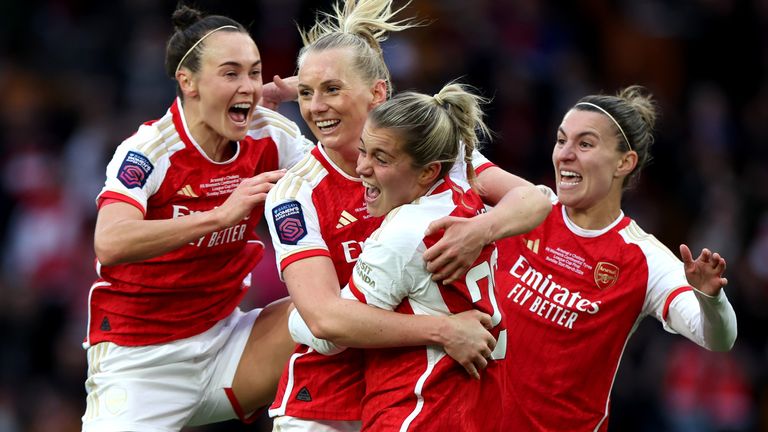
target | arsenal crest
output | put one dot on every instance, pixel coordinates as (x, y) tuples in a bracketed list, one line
[(606, 274)]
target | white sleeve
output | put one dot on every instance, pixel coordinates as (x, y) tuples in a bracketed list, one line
[(134, 173), (708, 321), (301, 333), (291, 144), (293, 222), (479, 160), (378, 278), (459, 169)]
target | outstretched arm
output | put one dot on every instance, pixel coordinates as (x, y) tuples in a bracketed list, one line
[(706, 272), (705, 317), (519, 207)]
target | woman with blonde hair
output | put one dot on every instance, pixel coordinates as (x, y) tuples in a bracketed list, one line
[(408, 149), (318, 221)]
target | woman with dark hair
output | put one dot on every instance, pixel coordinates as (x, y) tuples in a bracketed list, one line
[(175, 246)]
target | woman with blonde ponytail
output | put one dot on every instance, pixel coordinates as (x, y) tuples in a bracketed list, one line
[(318, 221), (413, 153)]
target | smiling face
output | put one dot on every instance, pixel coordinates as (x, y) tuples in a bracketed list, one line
[(335, 100), (589, 169), (221, 97), (388, 174)]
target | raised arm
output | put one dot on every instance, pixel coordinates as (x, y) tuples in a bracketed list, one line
[(705, 316), (278, 91), (519, 206)]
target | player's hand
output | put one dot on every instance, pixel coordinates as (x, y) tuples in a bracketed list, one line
[(468, 340), (457, 250), (278, 91), (706, 272), (248, 194)]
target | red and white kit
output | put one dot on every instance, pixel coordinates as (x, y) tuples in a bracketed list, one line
[(163, 172), (572, 298), (421, 388), (318, 210)]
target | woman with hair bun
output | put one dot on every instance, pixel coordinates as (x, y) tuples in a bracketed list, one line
[(576, 287), (175, 244)]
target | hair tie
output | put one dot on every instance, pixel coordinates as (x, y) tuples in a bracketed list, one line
[(198, 43), (438, 99), (610, 117)]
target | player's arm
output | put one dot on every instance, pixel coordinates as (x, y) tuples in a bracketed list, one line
[(315, 290), (278, 91), (123, 235), (519, 206), (704, 314)]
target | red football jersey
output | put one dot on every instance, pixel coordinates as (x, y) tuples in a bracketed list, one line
[(318, 210), (422, 388), (163, 172), (572, 298)]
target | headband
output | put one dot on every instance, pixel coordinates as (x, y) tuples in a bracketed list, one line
[(198, 43), (610, 117)]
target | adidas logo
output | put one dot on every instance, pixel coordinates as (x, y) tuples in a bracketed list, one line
[(533, 245), (105, 325), (187, 191), (304, 395), (345, 219)]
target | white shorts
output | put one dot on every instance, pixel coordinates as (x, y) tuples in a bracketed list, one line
[(162, 388), (293, 424)]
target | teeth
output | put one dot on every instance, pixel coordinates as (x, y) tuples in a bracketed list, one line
[(368, 185), (326, 123), (243, 105), (569, 174)]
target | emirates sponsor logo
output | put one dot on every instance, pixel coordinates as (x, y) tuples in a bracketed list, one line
[(606, 274), (543, 296)]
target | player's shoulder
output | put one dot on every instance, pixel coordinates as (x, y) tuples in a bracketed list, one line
[(304, 177), (651, 247), (405, 225), (154, 140), (267, 122)]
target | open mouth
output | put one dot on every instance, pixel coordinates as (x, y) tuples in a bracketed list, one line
[(238, 112), (326, 126), (371, 192), (569, 178)]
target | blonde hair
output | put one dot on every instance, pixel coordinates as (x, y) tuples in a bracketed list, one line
[(433, 128), (360, 25)]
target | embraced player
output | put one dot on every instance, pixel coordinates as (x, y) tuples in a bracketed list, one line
[(408, 147), (318, 221)]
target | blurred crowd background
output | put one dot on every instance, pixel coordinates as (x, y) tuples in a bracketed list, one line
[(77, 77)]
